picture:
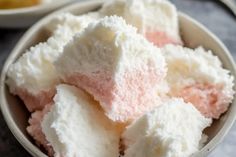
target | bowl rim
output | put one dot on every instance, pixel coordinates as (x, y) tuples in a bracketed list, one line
[(34, 9), (35, 151)]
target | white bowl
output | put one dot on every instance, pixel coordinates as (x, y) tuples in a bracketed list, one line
[(193, 34), (24, 17)]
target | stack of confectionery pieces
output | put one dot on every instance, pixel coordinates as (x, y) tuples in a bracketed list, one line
[(119, 82)]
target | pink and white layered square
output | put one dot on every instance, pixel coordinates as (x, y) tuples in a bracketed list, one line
[(116, 65), (33, 76), (157, 20)]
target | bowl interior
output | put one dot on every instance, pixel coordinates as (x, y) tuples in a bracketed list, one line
[(192, 33)]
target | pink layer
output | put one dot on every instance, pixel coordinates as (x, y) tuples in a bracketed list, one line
[(124, 99), (37, 101), (160, 38), (35, 129), (207, 98)]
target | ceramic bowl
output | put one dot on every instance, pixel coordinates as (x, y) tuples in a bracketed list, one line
[(193, 34)]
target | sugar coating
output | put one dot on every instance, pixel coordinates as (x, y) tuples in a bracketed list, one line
[(77, 127), (35, 129), (34, 69), (171, 129), (33, 75), (198, 77), (119, 67), (157, 20), (74, 22)]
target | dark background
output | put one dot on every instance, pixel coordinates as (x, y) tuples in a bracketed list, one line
[(211, 13)]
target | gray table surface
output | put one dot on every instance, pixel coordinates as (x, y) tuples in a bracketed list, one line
[(209, 12)]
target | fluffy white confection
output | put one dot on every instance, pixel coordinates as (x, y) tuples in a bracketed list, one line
[(110, 48), (114, 50), (34, 70), (173, 129), (187, 66), (76, 127), (163, 89), (146, 15), (72, 21), (113, 7)]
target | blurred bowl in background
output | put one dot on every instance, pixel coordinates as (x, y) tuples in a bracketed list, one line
[(25, 17)]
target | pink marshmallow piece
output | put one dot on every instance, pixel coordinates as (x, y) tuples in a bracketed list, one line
[(207, 98), (35, 129), (35, 102), (161, 39), (127, 99), (117, 66)]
